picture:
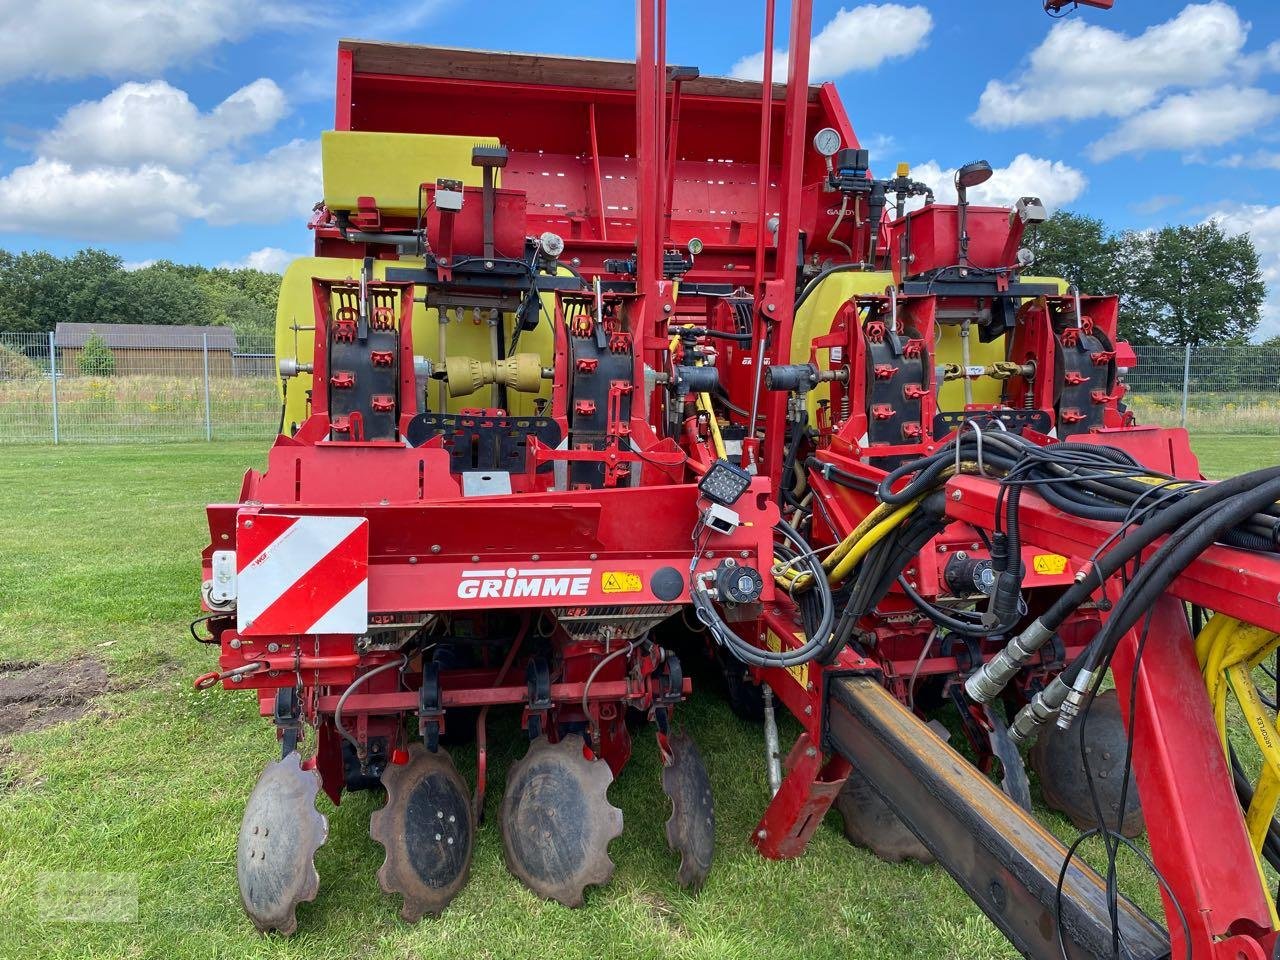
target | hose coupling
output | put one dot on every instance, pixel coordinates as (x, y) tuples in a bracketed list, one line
[(985, 683), (1075, 699), (1035, 715)]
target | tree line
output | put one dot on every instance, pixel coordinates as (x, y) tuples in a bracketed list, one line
[(1186, 284), (39, 290), (1179, 285)]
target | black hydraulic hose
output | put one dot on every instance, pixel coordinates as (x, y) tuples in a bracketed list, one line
[(939, 616), (818, 644), (1142, 537), (787, 481), (816, 282), (843, 478), (882, 564), (1168, 562)]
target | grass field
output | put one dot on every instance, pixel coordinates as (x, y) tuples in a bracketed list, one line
[(97, 558)]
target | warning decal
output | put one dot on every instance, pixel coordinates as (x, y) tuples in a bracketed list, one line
[(620, 581)]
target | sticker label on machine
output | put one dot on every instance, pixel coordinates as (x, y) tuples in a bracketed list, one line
[(801, 671), (298, 575)]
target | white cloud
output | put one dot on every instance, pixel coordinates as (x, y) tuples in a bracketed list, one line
[(267, 259), (1083, 70), (284, 182), (1263, 224), (1264, 61), (148, 199), (1053, 181), (58, 39), (156, 122), (1202, 118), (857, 39), (1258, 160), (52, 197), (1153, 205)]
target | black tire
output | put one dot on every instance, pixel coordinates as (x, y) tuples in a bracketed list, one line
[(1055, 757)]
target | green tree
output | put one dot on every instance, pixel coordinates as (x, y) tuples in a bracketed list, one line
[(96, 358), (1081, 250), (38, 290), (1192, 285)]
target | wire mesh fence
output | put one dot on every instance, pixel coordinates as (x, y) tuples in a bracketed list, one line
[(1210, 389), (123, 383)]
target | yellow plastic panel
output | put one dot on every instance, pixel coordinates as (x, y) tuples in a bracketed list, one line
[(815, 316), (814, 320), (391, 166), (466, 338)]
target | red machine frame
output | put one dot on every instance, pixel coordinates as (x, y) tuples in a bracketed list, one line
[(614, 190)]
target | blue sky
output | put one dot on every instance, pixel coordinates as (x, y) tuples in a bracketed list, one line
[(188, 130)]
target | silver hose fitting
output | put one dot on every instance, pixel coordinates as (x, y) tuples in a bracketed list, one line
[(1070, 708), (1038, 713), (985, 683)]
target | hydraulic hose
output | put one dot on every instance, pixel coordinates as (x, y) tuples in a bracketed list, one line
[(1067, 692), (985, 684), (819, 643)]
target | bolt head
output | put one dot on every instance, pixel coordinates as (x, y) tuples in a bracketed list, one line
[(955, 495), (435, 548)]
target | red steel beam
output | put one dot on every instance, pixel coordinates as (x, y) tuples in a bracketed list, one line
[(1238, 583), (1197, 832)]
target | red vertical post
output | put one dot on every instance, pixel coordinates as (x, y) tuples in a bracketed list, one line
[(766, 132), (1198, 838), (780, 294), (597, 179), (342, 102), (648, 163)]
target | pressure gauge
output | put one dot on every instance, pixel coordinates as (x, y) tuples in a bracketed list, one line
[(827, 141), (695, 247)]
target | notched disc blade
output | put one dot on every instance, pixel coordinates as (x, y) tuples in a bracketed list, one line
[(557, 821), (1055, 757), (279, 836), (691, 828), (427, 830), (868, 822)]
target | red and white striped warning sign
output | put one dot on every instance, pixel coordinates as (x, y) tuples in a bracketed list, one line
[(297, 575)]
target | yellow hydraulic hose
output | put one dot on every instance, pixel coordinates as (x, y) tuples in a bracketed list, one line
[(704, 403), (1228, 652), (877, 525)]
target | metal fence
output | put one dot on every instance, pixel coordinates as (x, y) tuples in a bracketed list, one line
[(1210, 389), (140, 387), (153, 387)]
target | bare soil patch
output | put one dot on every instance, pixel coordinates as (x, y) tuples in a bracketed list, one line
[(34, 695)]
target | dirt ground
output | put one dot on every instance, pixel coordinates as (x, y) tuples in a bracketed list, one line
[(35, 695)]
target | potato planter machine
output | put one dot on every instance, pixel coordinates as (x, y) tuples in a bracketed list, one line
[(596, 361)]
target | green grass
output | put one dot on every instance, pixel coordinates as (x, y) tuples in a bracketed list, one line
[(98, 550)]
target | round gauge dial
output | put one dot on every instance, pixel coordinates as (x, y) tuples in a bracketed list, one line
[(827, 141)]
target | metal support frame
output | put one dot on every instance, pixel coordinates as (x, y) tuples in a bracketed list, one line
[(1198, 838), (1006, 861)]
